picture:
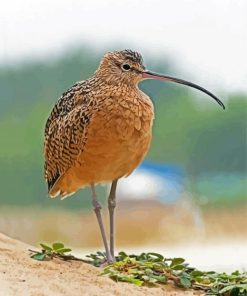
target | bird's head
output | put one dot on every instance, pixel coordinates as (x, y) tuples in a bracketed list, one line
[(127, 67), (124, 66)]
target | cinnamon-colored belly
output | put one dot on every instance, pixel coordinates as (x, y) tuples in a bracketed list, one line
[(115, 146)]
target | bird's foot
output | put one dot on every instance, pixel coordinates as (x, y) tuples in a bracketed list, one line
[(111, 260), (105, 262)]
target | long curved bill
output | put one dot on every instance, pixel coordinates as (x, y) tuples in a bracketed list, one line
[(151, 75)]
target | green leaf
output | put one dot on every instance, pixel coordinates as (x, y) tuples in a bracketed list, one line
[(226, 289), (152, 280), (178, 267), (234, 291), (148, 270), (243, 286), (159, 278), (45, 247), (158, 257), (39, 256), (204, 280), (177, 261), (196, 273), (211, 272), (64, 250), (122, 255), (214, 290), (101, 254), (57, 246), (135, 281), (185, 282)]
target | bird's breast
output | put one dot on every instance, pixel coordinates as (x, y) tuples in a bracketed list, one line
[(118, 139), (123, 117)]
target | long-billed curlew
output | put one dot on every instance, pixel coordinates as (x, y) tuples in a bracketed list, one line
[(100, 130)]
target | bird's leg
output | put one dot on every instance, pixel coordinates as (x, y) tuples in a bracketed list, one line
[(111, 207), (97, 208)]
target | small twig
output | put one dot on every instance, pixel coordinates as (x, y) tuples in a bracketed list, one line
[(60, 256), (70, 257), (33, 251), (201, 287)]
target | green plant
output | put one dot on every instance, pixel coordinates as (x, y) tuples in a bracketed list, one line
[(49, 252), (153, 268)]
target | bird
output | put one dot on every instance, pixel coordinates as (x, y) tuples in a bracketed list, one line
[(100, 130)]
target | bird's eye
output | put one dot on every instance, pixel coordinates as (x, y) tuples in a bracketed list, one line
[(126, 67)]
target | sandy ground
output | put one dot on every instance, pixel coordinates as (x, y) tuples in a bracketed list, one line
[(21, 275), (218, 243)]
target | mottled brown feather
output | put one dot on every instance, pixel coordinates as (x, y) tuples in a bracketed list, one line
[(65, 131)]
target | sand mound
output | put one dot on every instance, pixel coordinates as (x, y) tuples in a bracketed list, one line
[(21, 275)]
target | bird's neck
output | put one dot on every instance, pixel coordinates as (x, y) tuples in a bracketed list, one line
[(111, 87)]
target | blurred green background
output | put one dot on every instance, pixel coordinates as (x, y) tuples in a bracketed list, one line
[(190, 130)]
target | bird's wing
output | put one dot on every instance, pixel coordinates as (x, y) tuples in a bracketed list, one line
[(65, 133), (65, 104)]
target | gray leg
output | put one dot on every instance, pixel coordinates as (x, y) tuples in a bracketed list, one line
[(97, 208), (111, 206)]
